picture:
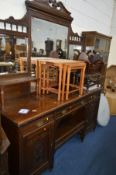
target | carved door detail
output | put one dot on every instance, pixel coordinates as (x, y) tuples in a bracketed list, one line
[(91, 113), (36, 151)]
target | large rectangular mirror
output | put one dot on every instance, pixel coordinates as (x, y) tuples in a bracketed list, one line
[(47, 37)]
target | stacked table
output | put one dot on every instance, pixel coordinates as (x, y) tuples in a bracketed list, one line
[(61, 73)]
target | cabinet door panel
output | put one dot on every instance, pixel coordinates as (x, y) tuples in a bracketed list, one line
[(91, 110), (36, 151)]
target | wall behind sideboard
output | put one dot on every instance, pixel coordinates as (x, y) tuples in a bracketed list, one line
[(112, 56), (113, 23), (91, 15), (15, 8)]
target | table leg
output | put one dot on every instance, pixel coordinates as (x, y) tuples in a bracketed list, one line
[(68, 82), (60, 82), (64, 81), (82, 80), (2, 98)]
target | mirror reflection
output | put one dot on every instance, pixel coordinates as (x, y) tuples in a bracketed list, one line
[(11, 49), (48, 39), (74, 51)]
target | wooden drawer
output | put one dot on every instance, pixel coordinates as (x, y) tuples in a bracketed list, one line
[(77, 105), (92, 97), (69, 108), (62, 111), (42, 122)]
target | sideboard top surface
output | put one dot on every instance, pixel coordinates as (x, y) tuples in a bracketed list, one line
[(37, 107)]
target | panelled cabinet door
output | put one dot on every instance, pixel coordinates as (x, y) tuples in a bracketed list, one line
[(37, 150), (91, 113)]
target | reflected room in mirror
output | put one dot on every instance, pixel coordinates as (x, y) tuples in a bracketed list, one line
[(74, 51), (48, 39), (13, 45), (11, 49), (75, 45)]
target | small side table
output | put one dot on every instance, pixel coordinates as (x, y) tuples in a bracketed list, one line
[(73, 66)]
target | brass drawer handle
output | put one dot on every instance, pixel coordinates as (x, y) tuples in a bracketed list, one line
[(42, 122), (82, 103), (64, 111), (47, 118)]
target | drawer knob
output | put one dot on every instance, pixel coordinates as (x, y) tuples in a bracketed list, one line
[(44, 129), (47, 119)]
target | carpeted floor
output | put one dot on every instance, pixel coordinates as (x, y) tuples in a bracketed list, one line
[(95, 156)]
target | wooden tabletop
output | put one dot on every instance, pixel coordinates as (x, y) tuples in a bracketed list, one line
[(54, 60), (37, 107)]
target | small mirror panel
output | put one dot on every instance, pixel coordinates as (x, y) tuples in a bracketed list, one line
[(11, 49)]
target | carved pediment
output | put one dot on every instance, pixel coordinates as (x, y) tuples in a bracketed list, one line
[(50, 6)]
